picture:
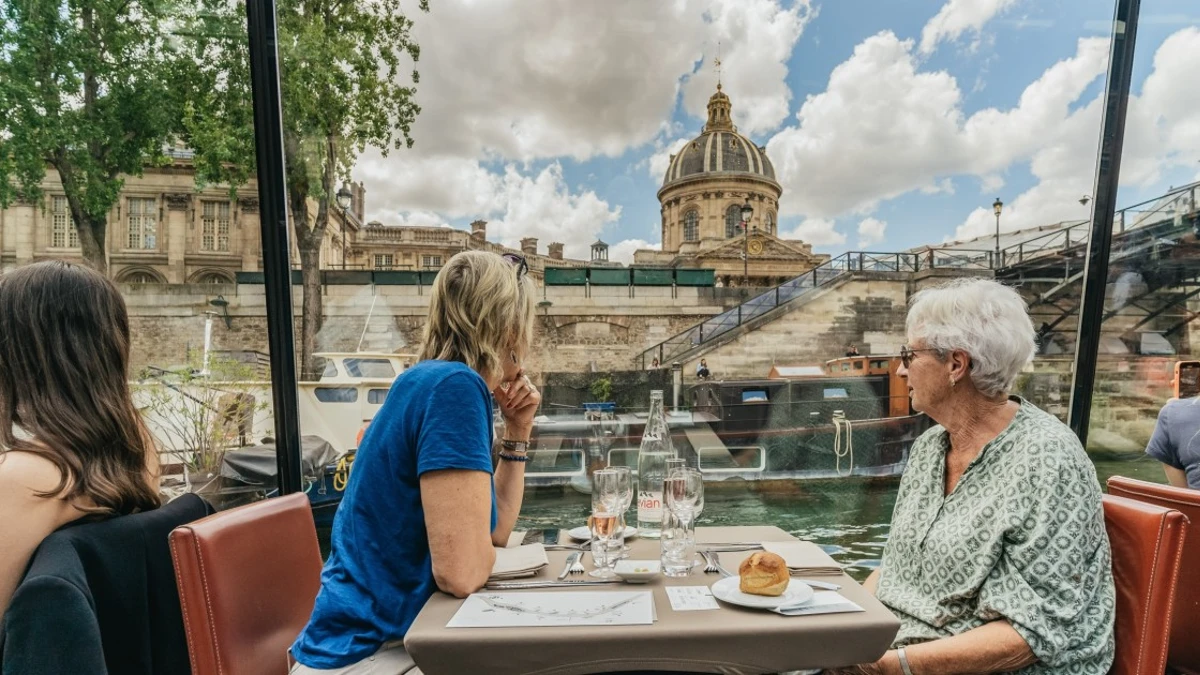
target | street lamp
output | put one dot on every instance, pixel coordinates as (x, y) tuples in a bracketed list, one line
[(747, 213), (344, 196), (997, 206)]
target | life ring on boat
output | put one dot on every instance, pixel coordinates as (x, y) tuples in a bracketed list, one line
[(363, 430)]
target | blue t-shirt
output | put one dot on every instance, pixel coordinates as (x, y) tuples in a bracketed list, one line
[(1176, 438), (438, 415)]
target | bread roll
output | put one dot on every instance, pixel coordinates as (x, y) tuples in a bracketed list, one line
[(763, 573)]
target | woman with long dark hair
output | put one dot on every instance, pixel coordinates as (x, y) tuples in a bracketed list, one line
[(72, 443)]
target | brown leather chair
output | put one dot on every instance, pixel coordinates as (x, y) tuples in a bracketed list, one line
[(248, 578), (1184, 654), (1146, 544)]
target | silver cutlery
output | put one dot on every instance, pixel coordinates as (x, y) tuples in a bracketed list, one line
[(521, 585), (577, 566), (571, 560), (582, 546), (711, 566), (729, 545), (716, 561)]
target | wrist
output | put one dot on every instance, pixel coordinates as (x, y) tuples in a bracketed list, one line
[(517, 432)]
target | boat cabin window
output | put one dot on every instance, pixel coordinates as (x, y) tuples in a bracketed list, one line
[(754, 396), (858, 365), (325, 366), (336, 394), (880, 365), (381, 368), (835, 392), (845, 365), (376, 396)]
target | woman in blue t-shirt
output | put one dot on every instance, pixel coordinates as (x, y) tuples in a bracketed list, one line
[(424, 508)]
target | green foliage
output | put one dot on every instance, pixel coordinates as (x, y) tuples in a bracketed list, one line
[(340, 65), (85, 88), (200, 416), (601, 389)]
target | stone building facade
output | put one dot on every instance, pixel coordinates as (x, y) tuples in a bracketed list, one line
[(706, 185), (162, 230)]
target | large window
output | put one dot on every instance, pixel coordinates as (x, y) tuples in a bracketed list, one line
[(383, 261), (142, 222), (63, 232), (733, 221), (431, 261), (691, 226), (214, 226), (769, 222)]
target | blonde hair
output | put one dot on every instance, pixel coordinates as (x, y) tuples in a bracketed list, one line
[(479, 310)]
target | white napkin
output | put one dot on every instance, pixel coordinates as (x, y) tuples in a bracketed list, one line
[(823, 602), (803, 557), (519, 561)]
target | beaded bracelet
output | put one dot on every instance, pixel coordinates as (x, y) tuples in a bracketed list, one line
[(513, 458)]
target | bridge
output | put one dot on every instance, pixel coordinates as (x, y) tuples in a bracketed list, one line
[(1154, 266)]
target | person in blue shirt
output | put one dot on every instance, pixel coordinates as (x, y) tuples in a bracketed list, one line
[(423, 508), (1176, 442)]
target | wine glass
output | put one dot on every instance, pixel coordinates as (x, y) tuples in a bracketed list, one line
[(605, 522), (681, 490), (625, 490)]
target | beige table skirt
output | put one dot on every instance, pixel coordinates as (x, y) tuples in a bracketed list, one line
[(731, 640)]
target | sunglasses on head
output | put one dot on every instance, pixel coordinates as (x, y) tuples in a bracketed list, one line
[(518, 260), (907, 354)]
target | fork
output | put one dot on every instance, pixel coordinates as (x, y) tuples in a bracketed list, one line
[(711, 566), (577, 566), (569, 567)]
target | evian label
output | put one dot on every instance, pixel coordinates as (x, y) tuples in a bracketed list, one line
[(650, 506)]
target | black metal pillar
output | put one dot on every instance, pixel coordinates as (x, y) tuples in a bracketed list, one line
[(1108, 170), (277, 268)]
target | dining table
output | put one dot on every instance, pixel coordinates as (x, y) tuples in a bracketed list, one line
[(731, 640)]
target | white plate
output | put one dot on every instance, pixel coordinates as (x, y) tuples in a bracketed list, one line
[(637, 571), (582, 533), (726, 589)]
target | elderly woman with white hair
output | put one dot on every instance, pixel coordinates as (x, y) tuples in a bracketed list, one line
[(998, 559)]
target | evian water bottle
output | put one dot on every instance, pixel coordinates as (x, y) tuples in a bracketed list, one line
[(656, 449)]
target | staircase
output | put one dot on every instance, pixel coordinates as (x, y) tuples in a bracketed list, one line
[(1142, 229)]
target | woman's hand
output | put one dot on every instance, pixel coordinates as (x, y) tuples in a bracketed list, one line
[(518, 405)]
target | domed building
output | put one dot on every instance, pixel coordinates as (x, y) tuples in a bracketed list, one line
[(707, 185)]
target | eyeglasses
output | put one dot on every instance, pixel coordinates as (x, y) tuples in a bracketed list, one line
[(907, 355), (518, 260)]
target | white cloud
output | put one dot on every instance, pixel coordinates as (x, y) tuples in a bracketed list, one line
[(957, 17), (622, 251), (883, 128), (756, 40), (661, 159), (418, 219), (871, 231), (818, 232), (1162, 132)]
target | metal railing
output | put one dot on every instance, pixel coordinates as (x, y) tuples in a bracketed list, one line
[(804, 285)]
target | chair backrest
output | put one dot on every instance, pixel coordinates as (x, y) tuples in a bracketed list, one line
[(248, 578), (1184, 654), (100, 597), (1146, 544)]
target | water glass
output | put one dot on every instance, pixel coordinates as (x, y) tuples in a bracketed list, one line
[(677, 546), (605, 522)]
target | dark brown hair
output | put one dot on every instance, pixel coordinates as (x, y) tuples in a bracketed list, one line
[(64, 364)]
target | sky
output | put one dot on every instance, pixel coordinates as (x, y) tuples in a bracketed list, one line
[(891, 123)]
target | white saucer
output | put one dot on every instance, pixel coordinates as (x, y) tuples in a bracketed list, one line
[(726, 589), (582, 533)]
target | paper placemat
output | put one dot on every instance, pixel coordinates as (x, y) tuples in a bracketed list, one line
[(568, 608), (823, 602), (691, 598)]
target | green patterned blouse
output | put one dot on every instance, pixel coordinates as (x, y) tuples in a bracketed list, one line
[(1021, 537)]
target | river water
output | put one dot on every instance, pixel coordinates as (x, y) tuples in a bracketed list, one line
[(847, 517)]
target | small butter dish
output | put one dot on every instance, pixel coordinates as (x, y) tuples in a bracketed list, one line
[(637, 571)]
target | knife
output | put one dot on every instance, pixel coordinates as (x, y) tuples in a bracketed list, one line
[(520, 585), (571, 560)]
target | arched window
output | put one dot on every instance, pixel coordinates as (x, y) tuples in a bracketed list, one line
[(770, 223), (691, 226), (733, 221), (140, 278), (212, 278)]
